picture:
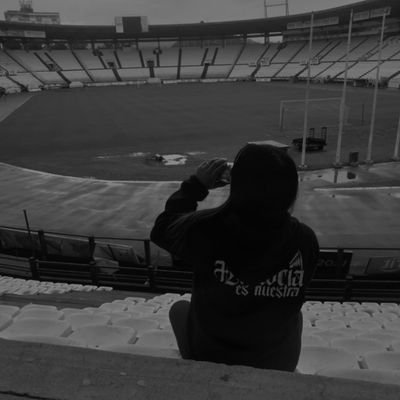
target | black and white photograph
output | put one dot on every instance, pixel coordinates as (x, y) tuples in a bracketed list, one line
[(200, 200)]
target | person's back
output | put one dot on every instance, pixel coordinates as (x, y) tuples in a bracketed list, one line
[(251, 262)]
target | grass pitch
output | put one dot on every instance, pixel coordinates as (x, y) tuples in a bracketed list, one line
[(94, 131)]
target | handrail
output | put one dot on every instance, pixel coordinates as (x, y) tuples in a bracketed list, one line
[(148, 239)]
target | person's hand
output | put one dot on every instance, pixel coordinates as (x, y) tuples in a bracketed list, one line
[(209, 172)]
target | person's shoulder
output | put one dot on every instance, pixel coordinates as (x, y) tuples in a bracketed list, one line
[(304, 230)]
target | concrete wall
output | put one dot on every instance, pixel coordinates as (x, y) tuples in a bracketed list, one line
[(39, 371)]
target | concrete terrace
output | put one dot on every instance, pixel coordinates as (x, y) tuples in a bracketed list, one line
[(358, 213)]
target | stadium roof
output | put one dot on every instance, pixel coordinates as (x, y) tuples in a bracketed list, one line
[(201, 30)]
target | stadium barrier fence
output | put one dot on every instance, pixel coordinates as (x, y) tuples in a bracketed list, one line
[(54, 256)]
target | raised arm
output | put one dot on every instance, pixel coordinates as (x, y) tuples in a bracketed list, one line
[(172, 225)]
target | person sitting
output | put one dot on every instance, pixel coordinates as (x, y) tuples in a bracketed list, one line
[(251, 262)]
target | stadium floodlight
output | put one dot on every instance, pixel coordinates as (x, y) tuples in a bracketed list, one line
[(280, 3)]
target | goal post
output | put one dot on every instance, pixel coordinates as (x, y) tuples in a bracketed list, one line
[(321, 112)]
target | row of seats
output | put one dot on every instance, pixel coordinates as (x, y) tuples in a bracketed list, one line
[(235, 61), (22, 287), (336, 337)]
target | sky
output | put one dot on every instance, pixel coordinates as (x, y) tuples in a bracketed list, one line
[(102, 12)]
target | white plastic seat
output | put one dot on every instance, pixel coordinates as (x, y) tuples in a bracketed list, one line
[(137, 300), (347, 320), (162, 320), (356, 314), (388, 360), (382, 336), (164, 311), (328, 335), (307, 331), (367, 375), (39, 313), (348, 332), (315, 358), (329, 324), (396, 345), (62, 341), (366, 325), (5, 321), (313, 340), (70, 311), (142, 350), (309, 316), (103, 335), (156, 306), (330, 315), (113, 307), (116, 316), (125, 302), (145, 310), (37, 327), (358, 346), (320, 308), (342, 307), (392, 306), (9, 310), (158, 338), (81, 320), (394, 325), (307, 323), (140, 325), (385, 316)]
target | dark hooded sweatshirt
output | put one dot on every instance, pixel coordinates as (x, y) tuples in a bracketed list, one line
[(249, 279)]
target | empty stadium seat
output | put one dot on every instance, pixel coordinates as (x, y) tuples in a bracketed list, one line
[(395, 344), (366, 325), (329, 335), (348, 331), (139, 325), (115, 315), (329, 324), (313, 340), (36, 327), (136, 299), (393, 326), (69, 311), (157, 338), (367, 375), (84, 319), (145, 310), (113, 307), (388, 360), (103, 335), (315, 358), (39, 313), (382, 336), (358, 346)]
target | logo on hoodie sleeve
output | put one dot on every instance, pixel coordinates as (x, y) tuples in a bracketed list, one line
[(285, 283)]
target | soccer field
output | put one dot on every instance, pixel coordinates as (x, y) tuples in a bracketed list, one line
[(113, 132)]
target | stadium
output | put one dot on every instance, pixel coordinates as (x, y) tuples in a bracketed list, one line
[(99, 125)]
